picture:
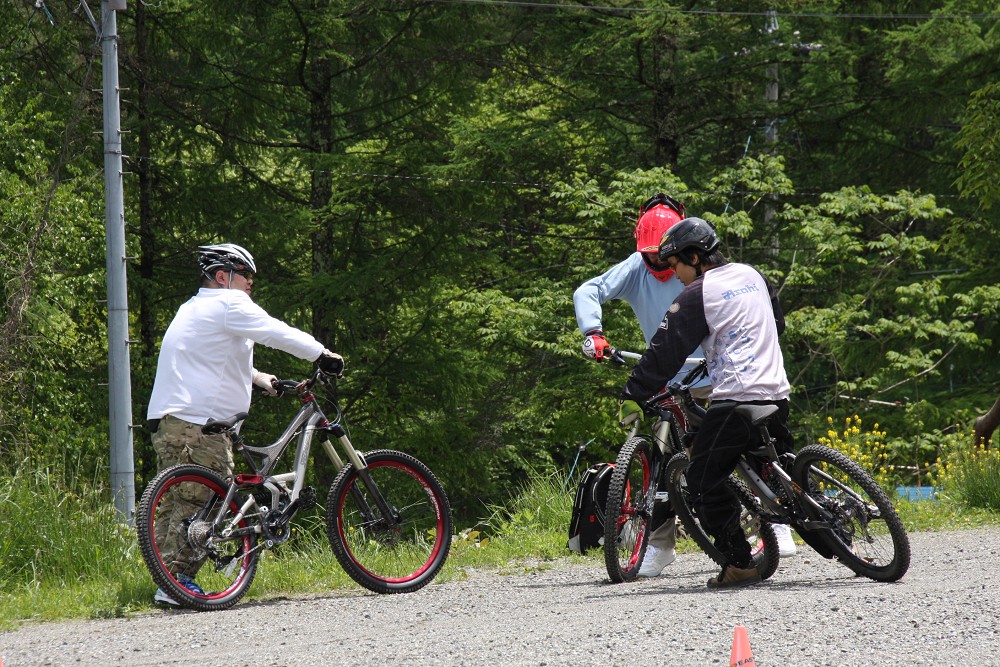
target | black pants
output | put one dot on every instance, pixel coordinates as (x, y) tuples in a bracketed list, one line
[(722, 438)]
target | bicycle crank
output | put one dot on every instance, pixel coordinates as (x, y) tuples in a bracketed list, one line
[(275, 528)]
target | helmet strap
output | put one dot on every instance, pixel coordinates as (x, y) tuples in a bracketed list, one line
[(693, 260)]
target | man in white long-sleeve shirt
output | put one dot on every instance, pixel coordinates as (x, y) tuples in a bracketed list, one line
[(649, 287), (205, 370)]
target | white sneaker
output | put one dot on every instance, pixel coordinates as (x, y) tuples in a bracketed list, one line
[(163, 598), (786, 545), (656, 560)]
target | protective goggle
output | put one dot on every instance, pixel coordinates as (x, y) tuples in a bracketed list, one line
[(660, 199)]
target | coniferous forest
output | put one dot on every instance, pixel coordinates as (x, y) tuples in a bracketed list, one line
[(424, 184)]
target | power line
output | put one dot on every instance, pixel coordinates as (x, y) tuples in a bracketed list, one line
[(195, 165), (705, 12)]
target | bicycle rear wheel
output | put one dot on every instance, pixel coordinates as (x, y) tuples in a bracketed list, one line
[(187, 534), (759, 533), (867, 535), (397, 552), (628, 510)]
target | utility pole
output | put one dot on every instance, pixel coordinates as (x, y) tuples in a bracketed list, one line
[(119, 368), (771, 97), (771, 131), (771, 91)]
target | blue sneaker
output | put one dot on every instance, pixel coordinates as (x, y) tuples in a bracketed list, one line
[(188, 583), (162, 597)]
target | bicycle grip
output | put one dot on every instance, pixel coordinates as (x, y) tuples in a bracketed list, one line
[(285, 385)]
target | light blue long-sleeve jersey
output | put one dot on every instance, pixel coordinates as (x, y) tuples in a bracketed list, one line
[(631, 282)]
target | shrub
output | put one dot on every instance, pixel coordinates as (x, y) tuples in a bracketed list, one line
[(868, 448), (971, 474)]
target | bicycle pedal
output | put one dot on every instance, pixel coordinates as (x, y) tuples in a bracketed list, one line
[(307, 498)]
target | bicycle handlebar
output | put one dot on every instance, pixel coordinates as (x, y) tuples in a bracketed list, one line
[(294, 386), (285, 385), (679, 389), (619, 357)]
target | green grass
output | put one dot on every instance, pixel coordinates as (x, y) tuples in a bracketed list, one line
[(65, 555)]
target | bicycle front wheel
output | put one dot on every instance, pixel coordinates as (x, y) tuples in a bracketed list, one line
[(866, 535), (392, 531), (628, 510), (759, 533), (196, 549)]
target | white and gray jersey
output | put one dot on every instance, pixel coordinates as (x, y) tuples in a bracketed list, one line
[(733, 312)]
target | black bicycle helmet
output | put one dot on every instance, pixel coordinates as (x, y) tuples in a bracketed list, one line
[(688, 233), (227, 256)]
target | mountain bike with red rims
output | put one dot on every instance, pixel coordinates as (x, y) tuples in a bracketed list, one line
[(388, 518), (639, 483)]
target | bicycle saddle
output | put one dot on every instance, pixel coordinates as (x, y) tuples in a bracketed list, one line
[(757, 414), (220, 425)]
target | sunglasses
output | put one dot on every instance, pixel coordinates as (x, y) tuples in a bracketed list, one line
[(246, 273), (660, 199)]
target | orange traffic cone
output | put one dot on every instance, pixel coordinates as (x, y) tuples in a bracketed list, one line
[(741, 655)]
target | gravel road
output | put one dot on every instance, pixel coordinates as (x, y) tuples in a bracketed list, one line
[(812, 612)]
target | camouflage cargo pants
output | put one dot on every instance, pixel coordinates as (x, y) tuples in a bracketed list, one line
[(177, 441)]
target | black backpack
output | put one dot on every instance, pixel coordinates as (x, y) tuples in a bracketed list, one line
[(586, 527)]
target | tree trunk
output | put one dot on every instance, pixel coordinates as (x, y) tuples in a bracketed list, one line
[(321, 187), (143, 166), (986, 424), (665, 116)]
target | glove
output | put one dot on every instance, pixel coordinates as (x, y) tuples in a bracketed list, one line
[(595, 346), (629, 412), (266, 382), (331, 363)]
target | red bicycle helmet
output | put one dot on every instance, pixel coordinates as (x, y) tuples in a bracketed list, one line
[(656, 216)]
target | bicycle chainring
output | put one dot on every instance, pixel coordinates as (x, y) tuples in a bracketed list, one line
[(275, 528), (843, 512)]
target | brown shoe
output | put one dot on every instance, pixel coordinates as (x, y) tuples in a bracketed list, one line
[(734, 577)]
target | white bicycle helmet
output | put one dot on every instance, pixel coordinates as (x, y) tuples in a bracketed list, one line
[(227, 256)]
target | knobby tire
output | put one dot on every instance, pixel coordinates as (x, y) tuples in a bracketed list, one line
[(867, 534), (628, 510), (192, 495), (400, 553)]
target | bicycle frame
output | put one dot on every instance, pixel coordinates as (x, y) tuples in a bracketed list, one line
[(664, 431), (809, 514), (675, 413), (308, 421), (672, 407)]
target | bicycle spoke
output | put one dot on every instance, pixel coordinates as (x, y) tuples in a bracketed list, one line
[(395, 553), (866, 533), (177, 524)]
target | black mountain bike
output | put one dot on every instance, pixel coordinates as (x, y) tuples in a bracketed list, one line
[(832, 502), (639, 484), (388, 518)]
